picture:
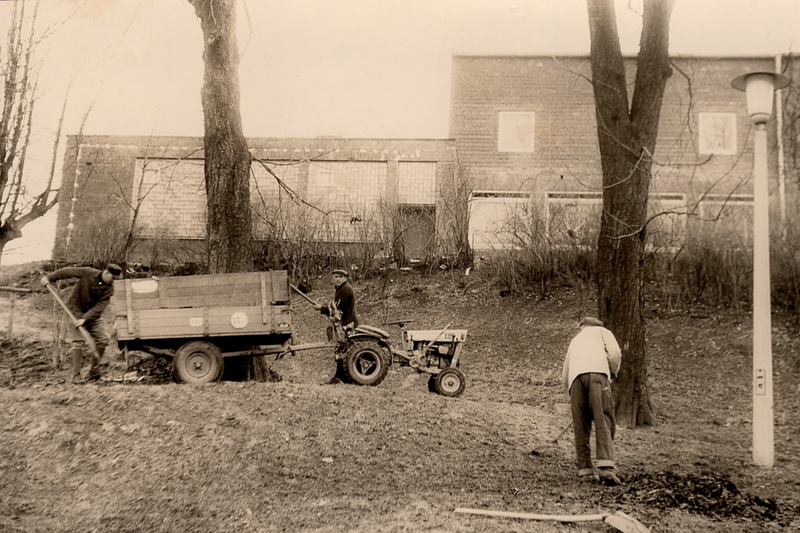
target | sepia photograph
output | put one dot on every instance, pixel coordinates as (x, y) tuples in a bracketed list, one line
[(383, 266)]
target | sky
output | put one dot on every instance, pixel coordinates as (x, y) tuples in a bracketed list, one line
[(351, 68)]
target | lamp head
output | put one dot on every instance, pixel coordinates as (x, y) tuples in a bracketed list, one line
[(759, 88)]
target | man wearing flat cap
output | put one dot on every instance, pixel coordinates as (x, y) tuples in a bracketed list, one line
[(343, 300), (593, 358), (87, 300)]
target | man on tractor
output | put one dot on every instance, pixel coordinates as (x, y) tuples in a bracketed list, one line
[(344, 300)]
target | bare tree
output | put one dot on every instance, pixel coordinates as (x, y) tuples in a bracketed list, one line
[(627, 131), (227, 159), (18, 204)]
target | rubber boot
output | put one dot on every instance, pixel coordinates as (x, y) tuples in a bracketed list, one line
[(94, 369), (77, 362)]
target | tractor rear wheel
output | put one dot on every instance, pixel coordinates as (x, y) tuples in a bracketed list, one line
[(197, 362), (365, 363), (450, 382)]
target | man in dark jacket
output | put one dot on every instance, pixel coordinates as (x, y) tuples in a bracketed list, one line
[(86, 301), (343, 300)]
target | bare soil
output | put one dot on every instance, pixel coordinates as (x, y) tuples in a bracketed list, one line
[(138, 453)]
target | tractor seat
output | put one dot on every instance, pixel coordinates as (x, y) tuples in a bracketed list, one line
[(369, 330)]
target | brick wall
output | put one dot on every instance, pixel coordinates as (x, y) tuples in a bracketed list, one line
[(106, 179), (566, 155)]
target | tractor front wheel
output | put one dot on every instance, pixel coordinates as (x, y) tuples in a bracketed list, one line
[(365, 363), (197, 362), (450, 382)]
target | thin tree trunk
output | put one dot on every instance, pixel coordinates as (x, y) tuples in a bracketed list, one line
[(627, 139)]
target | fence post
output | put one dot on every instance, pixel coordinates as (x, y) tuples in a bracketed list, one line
[(12, 303)]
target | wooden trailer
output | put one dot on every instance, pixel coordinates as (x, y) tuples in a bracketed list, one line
[(199, 320)]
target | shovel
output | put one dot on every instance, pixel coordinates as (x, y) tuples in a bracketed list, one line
[(301, 293), (539, 450), (81, 329), (618, 520)]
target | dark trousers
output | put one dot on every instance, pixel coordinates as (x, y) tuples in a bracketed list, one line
[(592, 401), (97, 331)]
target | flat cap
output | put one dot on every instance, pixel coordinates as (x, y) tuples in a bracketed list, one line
[(591, 321), (341, 272)]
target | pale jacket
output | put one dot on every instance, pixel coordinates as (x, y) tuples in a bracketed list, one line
[(594, 349)]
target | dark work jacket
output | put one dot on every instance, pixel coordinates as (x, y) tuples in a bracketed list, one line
[(345, 301), (90, 295)]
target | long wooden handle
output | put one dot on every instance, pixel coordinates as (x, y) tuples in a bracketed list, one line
[(529, 516), (301, 293), (85, 334)]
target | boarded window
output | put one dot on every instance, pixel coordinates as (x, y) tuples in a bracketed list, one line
[(666, 227), (516, 131), (573, 219), (727, 221), (717, 133), (416, 183), (171, 195), (495, 219)]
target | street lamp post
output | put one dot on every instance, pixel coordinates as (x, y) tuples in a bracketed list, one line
[(759, 87)]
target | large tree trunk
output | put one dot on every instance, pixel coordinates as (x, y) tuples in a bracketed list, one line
[(227, 160), (627, 138)]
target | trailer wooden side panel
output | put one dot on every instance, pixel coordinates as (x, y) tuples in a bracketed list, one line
[(206, 322), (251, 303)]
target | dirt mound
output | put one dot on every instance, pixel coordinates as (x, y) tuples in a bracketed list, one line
[(706, 494), (25, 275), (24, 361)]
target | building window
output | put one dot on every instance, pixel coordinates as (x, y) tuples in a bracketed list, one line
[(726, 220), (171, 198), (516, 131), (717, 133), (416, 183), (573, 219), (666, 221), (323, 177), (497, 219)]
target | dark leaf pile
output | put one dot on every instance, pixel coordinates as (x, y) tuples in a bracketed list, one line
[(704, 494), (156, 370)]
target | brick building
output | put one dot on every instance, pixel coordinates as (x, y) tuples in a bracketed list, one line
[(526, 140), (522, 160), (325, 189)]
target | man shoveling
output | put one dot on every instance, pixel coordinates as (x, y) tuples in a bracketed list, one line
[(85, 305)]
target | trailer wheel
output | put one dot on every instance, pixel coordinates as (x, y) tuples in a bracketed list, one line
[(197, 362), (365, 363), (450, 382)]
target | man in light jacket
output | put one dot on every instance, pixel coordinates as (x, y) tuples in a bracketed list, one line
[(593, 358)]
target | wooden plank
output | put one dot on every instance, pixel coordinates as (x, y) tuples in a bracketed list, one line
[(210, 279), (264, 299), (172, 323), (209, 300), (202, 290), (531, 516), (276, 285), (280, 290), (129, 306), (14, 289)]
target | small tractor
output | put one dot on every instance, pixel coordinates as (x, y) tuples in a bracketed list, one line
[(364, 354)]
